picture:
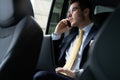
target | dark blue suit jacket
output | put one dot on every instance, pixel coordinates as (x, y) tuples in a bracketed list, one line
[(61, 45)]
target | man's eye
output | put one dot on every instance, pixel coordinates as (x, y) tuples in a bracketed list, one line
[(72, 10)]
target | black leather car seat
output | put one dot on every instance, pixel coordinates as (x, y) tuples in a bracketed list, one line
[(100, 18), (20, 40), (103, 63)]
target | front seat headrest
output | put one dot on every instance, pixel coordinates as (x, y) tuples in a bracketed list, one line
[(13, 11)]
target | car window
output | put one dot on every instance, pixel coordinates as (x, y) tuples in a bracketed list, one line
[(54, 16), (49, 12), (41, 11)]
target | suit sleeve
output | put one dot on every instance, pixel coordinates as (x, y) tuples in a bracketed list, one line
[(57, 41)]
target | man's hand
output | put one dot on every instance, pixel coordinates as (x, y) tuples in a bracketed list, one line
[(69, 73), (62, 27)]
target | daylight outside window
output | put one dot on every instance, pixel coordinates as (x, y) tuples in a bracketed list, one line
[(41, 11)]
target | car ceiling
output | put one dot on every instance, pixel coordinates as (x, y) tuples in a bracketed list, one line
[(109, 3)]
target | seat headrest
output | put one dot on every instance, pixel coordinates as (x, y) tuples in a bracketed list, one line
[(11, 11), (100, 18)]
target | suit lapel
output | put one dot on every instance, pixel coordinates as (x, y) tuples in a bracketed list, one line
[(90, 37)]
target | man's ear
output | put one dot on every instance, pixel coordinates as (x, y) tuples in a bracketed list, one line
[(86, 12)]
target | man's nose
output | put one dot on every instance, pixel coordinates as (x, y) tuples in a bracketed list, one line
[(69, 14)]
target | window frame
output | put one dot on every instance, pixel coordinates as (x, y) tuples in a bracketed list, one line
[(62, 15)]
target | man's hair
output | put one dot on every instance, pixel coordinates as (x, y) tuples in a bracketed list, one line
[(83, 4)]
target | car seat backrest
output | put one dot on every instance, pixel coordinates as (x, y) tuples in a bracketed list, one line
[(20, 40), (46, 60), (100, 18), (103, 63)]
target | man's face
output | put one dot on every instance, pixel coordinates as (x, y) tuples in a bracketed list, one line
[(75, 15)]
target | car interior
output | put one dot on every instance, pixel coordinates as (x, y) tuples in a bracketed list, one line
[(25, 49), (93, 71)]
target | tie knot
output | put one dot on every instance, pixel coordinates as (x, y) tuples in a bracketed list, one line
[(81, 31)]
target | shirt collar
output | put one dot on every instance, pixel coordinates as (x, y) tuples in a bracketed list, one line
[(88, 28)]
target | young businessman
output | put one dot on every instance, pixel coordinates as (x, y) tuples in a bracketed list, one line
[(80, 18)]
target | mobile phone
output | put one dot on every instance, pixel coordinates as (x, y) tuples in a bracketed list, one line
[(68, 23)]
